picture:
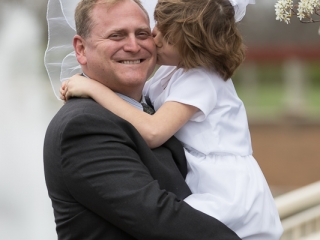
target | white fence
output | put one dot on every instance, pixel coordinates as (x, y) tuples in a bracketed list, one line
[(299, 211)]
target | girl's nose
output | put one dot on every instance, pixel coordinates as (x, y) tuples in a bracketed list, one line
[(157, 37)]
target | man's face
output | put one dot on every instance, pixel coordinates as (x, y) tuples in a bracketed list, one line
[(120, 51)]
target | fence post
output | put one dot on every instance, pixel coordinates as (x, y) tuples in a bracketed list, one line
[(295, 86)]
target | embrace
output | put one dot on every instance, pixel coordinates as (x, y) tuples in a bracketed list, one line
[(167, 158)]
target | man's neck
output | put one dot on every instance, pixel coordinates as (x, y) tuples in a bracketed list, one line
[(131, 101), (131, 95), (128, 99)]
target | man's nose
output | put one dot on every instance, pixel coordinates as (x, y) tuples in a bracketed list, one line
[(132, 44)]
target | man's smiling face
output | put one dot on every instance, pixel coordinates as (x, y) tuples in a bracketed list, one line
[(120, 51)]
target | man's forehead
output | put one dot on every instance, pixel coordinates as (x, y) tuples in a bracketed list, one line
[(111, 3), (104, 15), (124, 29), (107, 4)]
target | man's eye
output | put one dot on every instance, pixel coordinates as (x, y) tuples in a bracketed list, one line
[(144, 34), (115, 36)]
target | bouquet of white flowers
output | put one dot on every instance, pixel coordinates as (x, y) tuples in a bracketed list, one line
[(305, 10)]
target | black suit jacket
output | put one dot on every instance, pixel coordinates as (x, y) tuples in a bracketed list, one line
[(105, 183)]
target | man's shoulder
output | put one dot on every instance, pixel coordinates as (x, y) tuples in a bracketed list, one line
[(81, 106), (81, 109), (76, 105)]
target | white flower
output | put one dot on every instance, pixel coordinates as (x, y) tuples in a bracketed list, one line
[(304, 9), (283, 10), (315, 3), (300, 15), (305, 6)]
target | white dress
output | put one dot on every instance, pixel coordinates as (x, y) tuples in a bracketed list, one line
[(225, 179)]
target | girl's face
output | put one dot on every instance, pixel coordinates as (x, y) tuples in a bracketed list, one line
[(167, 54)]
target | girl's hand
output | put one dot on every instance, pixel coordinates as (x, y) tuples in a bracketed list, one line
[(63, 91), (76, 86)]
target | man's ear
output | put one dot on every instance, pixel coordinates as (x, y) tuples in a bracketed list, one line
[(79, 48)]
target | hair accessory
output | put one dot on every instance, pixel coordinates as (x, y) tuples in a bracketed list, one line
[(240, 8)]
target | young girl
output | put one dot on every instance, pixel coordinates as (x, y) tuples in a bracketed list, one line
[(195, 100)]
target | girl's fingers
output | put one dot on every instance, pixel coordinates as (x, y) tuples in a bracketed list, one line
[(67, 95)]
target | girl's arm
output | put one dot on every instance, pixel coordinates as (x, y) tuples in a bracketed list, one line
[(155, 129)]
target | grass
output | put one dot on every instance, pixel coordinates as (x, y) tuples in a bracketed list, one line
[(266, 98)]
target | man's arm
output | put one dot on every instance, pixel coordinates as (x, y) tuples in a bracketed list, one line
[(104, 172)]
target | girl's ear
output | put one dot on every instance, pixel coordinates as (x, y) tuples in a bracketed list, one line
[(79, 47)]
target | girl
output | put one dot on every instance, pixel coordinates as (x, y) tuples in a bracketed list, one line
[(194, 98)]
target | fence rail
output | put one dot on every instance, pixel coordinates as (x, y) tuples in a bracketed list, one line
[(299, 212)]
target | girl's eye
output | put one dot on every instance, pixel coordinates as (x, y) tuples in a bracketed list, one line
[(169, 42)]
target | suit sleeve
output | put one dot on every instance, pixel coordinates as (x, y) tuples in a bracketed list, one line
[(103, 171)]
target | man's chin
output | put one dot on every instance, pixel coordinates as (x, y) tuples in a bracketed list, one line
[(139, 69), (136, 79)]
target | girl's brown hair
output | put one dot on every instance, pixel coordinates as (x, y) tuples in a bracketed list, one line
[(204, 32)]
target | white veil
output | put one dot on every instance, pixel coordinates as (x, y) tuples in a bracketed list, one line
[(60, 60)]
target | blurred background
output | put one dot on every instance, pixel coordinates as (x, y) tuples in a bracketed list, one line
[(279, 84)]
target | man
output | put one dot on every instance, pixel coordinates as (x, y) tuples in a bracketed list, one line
[(103, 180)]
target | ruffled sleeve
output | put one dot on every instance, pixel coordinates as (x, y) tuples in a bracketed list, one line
[(194, 87)]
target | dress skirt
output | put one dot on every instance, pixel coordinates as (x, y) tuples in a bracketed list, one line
[(234, 190)]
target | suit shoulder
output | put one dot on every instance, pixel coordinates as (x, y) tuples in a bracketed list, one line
[(81, 110), (77, 107)]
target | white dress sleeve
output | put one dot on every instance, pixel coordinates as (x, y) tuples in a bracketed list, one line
[(194, 87)]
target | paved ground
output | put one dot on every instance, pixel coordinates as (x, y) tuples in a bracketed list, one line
[(288, 154)]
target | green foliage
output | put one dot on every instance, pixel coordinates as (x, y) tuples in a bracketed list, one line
[(314, 74), (266, 97)]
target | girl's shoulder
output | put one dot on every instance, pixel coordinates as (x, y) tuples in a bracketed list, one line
[(197, 75), (160, 79), (164, 71), (199, 72)]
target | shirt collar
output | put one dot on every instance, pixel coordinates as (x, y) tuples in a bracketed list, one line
[(129, 100)]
